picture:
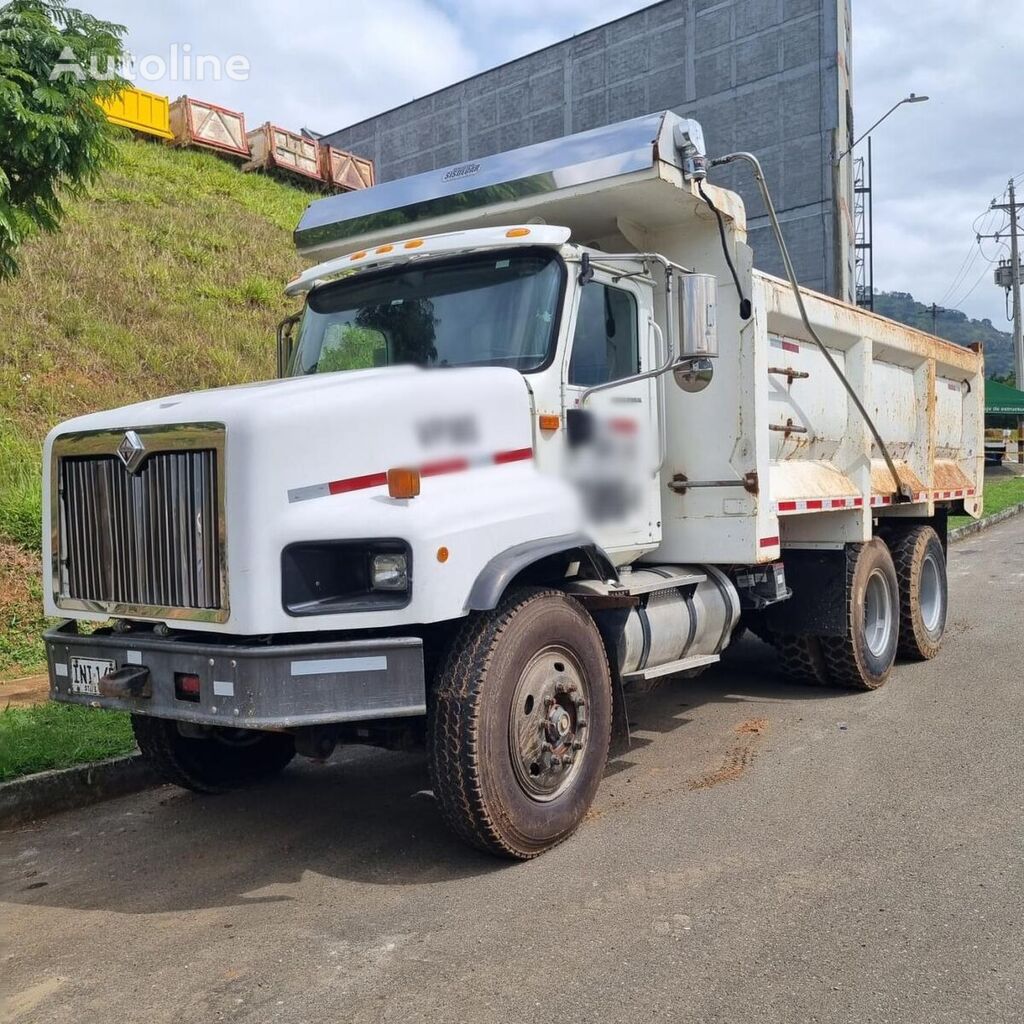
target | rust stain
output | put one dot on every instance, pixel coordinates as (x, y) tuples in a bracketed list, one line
[(882, 331), (752, 727), (881, 478), (948, 476), (738, 758)]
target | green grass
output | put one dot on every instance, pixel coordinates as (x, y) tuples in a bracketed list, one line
[(59, 735), (998, 494), (166, 278)]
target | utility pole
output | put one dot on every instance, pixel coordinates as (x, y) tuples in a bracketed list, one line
[(935, 311), (1014, 286)]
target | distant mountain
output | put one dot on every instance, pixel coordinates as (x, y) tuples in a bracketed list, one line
[(952, 325)]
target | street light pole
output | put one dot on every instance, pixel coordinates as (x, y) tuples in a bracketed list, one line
[(912, 98)]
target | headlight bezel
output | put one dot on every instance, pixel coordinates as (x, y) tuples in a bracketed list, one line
[(329, 577)]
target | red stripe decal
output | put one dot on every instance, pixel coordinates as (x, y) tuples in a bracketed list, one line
[(858, 502), (357, 483), (622, 425), (787, 506), (791, 346), (768, 542), (444, 466), (813, 503), (516, 455)]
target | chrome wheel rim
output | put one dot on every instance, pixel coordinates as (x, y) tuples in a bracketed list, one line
[(878, 613), (547, 728), (930, 593)]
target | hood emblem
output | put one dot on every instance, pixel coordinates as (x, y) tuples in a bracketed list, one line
[(131, 450)]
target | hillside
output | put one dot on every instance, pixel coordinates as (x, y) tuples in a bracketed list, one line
[(167, 277), (952, 325)]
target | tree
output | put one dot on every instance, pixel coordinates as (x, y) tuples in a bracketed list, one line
[(54, 138)]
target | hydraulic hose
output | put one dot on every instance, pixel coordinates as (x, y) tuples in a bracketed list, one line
[(902, 491)]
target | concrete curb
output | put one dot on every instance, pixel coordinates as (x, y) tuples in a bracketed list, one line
[(983, 524), (62, 789), (33, 796)]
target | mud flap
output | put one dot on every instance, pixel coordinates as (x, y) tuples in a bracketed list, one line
[(611, 623)]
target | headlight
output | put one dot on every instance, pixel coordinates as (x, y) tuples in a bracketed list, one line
[(389, 572), (324, 577)]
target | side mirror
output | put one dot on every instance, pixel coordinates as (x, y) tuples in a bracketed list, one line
[(284, 342), (693, 374)]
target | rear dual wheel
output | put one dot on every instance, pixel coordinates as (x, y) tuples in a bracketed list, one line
[(921, 569), (863, 655)]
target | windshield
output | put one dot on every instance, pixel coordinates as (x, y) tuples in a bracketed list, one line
[(494, 309)]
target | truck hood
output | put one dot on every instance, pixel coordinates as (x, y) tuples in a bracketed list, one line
[(331, 426), (305, 460)]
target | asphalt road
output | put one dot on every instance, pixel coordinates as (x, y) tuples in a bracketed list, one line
[(764, 853)]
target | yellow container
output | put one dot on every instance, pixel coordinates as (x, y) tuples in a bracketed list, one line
[(141, 111)]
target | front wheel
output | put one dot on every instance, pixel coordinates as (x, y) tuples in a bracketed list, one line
[(521, 724), (220, 760)]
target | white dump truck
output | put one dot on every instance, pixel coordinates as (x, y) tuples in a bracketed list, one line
[(541, 434)]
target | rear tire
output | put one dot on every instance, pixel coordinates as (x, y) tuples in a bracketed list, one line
[(521, 723), (921, 571), (801, 659), (226, 759), (863, 657)]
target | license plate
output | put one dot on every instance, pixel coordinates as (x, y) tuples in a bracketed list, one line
[(86, 674)]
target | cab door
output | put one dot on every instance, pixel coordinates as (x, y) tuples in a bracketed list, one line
[(615, 460)]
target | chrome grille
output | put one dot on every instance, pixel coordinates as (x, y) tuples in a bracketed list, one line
[(143, 539)]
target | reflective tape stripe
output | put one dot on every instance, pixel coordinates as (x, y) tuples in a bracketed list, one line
[(439, 468), (331, 666)]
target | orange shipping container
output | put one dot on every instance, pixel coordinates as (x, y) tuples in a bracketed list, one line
[(198, 123), (345, 171), (276, 148)]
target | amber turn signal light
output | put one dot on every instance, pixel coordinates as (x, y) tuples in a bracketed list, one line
[(549, 421), (403, 483)]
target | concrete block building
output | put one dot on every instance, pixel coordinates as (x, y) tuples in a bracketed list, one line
[(769, 76)]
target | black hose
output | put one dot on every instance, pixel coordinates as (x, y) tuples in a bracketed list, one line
[(903, 492), (744, 302)]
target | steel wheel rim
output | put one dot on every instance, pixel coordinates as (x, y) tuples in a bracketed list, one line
[(878, 614), (930, 593), (547, 728)]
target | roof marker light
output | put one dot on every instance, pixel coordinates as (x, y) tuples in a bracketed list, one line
[(358, 255), (517, 232), (383, 249), (414, 243)]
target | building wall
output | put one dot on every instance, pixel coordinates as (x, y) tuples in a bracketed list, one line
[(769, 76)]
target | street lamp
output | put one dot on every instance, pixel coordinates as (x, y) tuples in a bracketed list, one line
[(912, 98)]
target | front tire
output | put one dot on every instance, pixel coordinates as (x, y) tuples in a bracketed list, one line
[(863, 657), (521, 724), (225, 759)]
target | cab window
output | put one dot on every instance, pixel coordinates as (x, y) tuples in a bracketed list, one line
[(605, 345)]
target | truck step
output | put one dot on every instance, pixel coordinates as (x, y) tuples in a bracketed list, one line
[(670, 667)]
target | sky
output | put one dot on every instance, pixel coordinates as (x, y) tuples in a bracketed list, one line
[(936, 165)]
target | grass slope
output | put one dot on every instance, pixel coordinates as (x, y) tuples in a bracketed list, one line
[(166, 278)]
